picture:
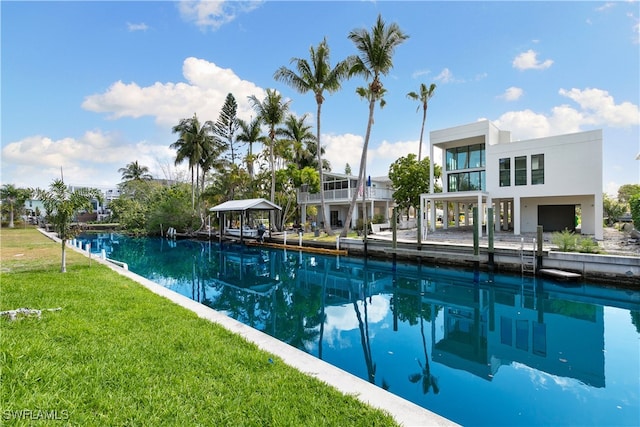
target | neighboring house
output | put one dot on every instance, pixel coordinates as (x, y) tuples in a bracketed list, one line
[(540, 181), (338, 190)]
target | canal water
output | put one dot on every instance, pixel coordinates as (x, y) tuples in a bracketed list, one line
[(477, 348)]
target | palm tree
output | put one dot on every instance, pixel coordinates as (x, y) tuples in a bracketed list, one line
[(376, 50), (298, 137), (250, 133), (135, 172), (195, 142), (317, 77), (14, 198), (424, 95), (271, 111), (61, 205)]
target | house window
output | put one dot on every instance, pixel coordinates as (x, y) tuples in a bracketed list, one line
[(521, 170), (466, 181), (537, 169), (505, 172), (467, 157)]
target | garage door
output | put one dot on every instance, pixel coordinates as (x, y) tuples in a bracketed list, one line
[(557, 217)]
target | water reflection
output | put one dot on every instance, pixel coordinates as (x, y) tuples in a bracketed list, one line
[(414, 329)]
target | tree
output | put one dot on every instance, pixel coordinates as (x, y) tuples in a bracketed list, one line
[(423, 95), (271, 111), (376, 49), (297, 137), (625, 192), (195, 142), (347, 169), (135, 172), (14, 198), (61, 205), (410, 178), (317, 77), (227, 126), (250, 133), (613, 209)]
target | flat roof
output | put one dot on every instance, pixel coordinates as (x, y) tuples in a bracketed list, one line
[(245, 205)]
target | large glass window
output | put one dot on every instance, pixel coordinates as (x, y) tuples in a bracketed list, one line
[(466, 181), (468, 157), (537, 169), (505, 172), (521, 170)]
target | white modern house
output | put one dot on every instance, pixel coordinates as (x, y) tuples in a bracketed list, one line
[(375, 199), (540, 181)]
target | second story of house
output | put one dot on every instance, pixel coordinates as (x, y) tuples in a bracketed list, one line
[(339, 188), (481, 157)]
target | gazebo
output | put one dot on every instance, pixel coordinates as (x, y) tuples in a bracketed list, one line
[(244, 207)]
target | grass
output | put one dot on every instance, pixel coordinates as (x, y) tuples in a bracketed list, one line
[(117, 354)]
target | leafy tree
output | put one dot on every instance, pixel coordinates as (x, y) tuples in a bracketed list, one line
[(376, 49), (271, 111), (130, 214), (423, 95), (347, 169), (634, 203), (625, 192), (194, 144), (612, 209), (135, 172), (410, 178), (62, 205), (14, 198), (316, 76), (170, 209)]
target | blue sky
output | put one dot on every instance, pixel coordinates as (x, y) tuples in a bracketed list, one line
[(93, 86)]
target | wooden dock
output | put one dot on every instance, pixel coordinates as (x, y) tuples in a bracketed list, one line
[(324, 251)]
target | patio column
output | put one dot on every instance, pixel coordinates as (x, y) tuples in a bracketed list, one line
[(480, 215), (516, 215)]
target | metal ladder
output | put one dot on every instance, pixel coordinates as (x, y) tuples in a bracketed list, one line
[(528, 258)]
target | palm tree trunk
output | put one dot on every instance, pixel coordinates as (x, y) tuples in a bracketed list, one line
[(11, 225), (63, 266), (363, 162), (327, 224), (424, 119)]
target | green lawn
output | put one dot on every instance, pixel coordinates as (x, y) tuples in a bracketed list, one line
[(117, 354)]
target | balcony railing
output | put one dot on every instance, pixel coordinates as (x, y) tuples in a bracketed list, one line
[(345, 194)]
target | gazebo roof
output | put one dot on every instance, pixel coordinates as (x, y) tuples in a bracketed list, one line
[(245, 205)]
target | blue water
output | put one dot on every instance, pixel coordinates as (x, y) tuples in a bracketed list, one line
[(479, 349)]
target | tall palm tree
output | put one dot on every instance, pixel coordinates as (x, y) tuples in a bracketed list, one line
[(298, 136), (271, 111), (15, 198), (250, 133), (195, 142), (423, 95), (376, 49), (317, 77), (135, 172), (61, 205)]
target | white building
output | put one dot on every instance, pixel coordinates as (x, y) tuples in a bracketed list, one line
[(376, 199), (533, 182)]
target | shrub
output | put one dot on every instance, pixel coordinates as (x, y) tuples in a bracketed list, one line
[(588, 246), (566, 241)]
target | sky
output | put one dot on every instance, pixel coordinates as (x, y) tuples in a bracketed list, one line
[(88, 87)]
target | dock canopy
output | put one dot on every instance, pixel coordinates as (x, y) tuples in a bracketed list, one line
[(245, 205)]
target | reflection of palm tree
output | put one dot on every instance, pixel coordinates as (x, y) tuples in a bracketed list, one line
[(428, 380)]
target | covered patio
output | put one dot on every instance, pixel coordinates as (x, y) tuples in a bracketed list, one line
[(245, 226)]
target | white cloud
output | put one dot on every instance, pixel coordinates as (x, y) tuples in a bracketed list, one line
[(446, 76), (420, 73), (92, 159), (529, 61), (596, 108), (137, 27), (210, 14), (605, 6), (343, 149), (204, 93), (512, 94)]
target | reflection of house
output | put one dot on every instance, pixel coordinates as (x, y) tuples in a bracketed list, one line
[(535, 182), (338, 191)]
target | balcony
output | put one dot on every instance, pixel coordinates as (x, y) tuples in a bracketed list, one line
[(344, 195)]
